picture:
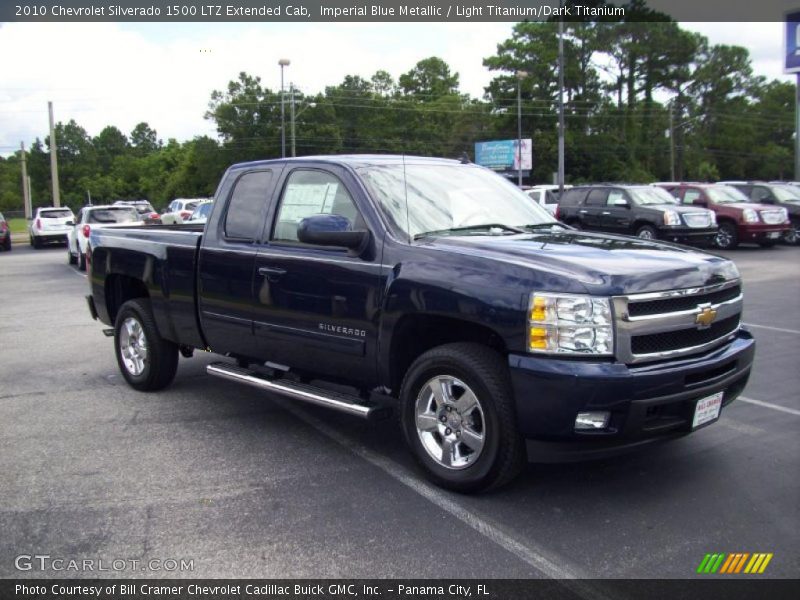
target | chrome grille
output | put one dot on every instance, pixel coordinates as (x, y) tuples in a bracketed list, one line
[(697, 220), (772, 217), (661, 325)]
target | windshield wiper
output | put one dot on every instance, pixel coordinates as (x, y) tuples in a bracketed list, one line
[(466, 228), (544, 225)]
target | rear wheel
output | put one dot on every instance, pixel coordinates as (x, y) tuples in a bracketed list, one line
[(647, 232), (81, 260), (458, 417), (147, 361), (37, 243), (727, 236), (71, 259)]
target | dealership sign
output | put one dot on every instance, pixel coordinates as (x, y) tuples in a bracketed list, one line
[(503, 155), (792, 46)]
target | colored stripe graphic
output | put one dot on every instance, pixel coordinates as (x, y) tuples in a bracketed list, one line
[(734, 563), (717, 563), (741, 562)]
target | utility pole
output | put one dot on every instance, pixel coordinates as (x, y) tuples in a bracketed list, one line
[(54, 158), (284, 62), (671, 144), (560, 105), (26, 198), (519, 129), (291, 115)]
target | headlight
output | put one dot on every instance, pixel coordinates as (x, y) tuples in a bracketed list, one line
[(713, 217), (749, 215), (671, 218), (570, 324), (785, 214)]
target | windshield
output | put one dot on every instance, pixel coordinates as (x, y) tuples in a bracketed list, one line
[(121, 214), (725, 194), (785, 193), (201, 212), (445, 197), (56, 214), (644, 196)]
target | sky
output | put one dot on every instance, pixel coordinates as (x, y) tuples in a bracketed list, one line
[(163, 73)]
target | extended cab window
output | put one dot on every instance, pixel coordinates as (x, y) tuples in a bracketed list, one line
[(243, 218), (311, 193)]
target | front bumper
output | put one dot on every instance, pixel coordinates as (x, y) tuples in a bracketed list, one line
[(688, 235), (647, 402), (761, 232)]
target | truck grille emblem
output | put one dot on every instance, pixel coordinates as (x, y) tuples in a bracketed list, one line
[(705, 317)]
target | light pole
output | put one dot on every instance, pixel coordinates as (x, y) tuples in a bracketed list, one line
[(560, 105), (284, 62), (520, 76), (294, 114)]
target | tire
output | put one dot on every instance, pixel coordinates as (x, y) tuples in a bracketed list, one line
[(7, 244), (147, 361), (81, 260), (647, 232), (727, 236), (792, 237), (495, 453), (37, 243), (71, 258)]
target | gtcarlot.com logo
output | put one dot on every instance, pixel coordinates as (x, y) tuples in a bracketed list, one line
[(45, 562), (735, 563)]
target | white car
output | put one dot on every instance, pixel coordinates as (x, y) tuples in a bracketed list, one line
[(200, 213), (96, 217), (49, 225), (546, 196), (179, 210)]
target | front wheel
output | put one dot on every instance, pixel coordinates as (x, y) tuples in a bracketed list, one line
[(147, 361), (458, 418), (727, 236), (647, 232), (792, 236)]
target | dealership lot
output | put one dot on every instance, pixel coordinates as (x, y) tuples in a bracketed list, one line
[(245, 485)]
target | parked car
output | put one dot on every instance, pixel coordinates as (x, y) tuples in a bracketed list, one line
[(144, 208), (546, 196), (179, 210), (5, 234), (644, 211), (96, 217), (49, 225), (201, 212), (437, 288), (739, 219), (776, 194)]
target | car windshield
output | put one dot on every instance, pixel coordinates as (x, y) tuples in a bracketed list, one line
[(644, 196), (202, 211), (116, 214), (785, 193), (725, 194), (448, 198), (56, 214)]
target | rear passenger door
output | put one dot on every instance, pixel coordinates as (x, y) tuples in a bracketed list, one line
[(617, 217), (227, 262), (317, 306), (591, 212)]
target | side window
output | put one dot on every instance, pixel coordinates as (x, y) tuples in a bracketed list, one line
[(596, 197), (572, 197), (243, 217), (312, 193), (761, 194), (690, 196), (616, 198)]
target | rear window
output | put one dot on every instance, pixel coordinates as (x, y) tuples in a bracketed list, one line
[(572, 197), (113, 215), (55, 214)]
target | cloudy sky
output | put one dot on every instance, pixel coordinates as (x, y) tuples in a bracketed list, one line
[(120, 74)]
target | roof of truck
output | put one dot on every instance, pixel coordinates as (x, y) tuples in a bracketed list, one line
[(356, 160)]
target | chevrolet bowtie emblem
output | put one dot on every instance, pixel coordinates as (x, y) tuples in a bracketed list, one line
[(705, 317)]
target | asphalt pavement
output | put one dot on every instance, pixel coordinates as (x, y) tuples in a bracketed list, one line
[(241, 484)]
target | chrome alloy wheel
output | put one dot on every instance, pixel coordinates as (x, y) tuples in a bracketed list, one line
[(133, 346), (450, 422), (724, 237), (646, 234)]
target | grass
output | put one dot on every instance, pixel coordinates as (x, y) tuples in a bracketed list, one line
[(18, 225)]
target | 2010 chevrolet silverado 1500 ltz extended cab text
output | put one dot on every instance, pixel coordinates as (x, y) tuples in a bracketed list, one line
[(440, 287)]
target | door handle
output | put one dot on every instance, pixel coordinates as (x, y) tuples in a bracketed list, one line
[(583, 212), (271, 273), (605, 212)]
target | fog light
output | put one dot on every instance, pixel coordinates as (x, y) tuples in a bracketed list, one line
[(592, 420)]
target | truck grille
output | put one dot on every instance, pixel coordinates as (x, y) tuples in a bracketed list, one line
[(661, 325), (772, 217), (698, 220)]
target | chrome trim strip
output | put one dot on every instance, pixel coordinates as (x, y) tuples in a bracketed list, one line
[(681, 313), (688, 350), (683, 292)]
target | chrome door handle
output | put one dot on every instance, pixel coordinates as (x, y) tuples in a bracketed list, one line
[(583, 212), (271, 272), (605, 212)]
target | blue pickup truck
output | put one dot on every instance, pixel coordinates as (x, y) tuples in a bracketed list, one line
[(437, 288)]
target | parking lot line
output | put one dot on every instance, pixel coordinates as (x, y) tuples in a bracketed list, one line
[(791, 411), (771, 328), (528, 553)]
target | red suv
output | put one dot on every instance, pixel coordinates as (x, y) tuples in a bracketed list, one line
[(739, 219)]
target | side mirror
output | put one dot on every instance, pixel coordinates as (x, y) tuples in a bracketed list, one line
[(331, 230), (699, 202), (71, 223), (620, 203)]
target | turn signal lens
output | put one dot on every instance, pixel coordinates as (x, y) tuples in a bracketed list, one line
[(570, 324)]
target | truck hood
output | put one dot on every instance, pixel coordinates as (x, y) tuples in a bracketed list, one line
[(604, 264)]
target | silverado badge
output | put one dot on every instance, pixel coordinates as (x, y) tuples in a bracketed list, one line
[(705, 317)]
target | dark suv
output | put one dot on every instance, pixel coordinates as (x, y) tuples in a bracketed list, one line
[(776, 194), (641, 210), (739, 219)]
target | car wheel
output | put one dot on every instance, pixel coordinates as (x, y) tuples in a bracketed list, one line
[(459, 420), (37, 243), (81, 260), (7, 244), (792, 236), (71, 259), (727, 237), (147, 361), (647, 232)]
